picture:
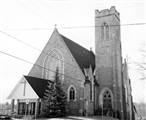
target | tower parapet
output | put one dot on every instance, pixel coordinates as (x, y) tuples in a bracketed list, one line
[(107, 12)]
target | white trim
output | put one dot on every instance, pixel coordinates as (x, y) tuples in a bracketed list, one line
[(14, 89), (68, 92), (17, 92), (28, 100)]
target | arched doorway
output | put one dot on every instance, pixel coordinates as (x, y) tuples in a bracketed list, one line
[(106, 102)]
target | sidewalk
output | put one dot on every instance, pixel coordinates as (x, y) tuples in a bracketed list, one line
[(91, 118), (73, 118)]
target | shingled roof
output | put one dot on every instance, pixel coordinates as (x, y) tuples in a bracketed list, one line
[(39, 85), (84, 57)]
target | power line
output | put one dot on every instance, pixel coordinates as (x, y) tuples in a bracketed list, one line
[(73, 27), (26, 61), (94, 26), (35, 48), (29, 29), (31, 46), (19, 40)]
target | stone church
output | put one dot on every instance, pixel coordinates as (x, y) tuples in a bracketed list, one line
[(95, 83)]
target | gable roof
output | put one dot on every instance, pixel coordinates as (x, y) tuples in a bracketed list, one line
[(19, 91), (84, 57), (39, 85)]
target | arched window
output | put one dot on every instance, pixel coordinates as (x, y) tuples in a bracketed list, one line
[(53, 61), (102, 32), (105, 31), (71, 94), (107, 100)]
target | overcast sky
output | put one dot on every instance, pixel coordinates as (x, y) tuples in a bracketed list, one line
[(32, 21)]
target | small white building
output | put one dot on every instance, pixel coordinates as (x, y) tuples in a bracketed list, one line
[(28, 93)]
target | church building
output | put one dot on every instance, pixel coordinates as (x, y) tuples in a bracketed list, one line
[(95, 83)]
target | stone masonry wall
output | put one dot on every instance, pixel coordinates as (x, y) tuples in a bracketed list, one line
[(72, 73)]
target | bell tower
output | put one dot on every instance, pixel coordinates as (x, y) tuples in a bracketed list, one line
[(108, 59)]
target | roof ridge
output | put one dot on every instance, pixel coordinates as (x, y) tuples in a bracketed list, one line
[(83, 56), (39, 85), (37, 78), (75, 42)]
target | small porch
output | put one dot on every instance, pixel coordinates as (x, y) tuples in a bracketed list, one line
[(28, 107), (24, 99), (27, 95)]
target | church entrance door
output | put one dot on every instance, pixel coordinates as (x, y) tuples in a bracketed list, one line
[(107, 103)]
